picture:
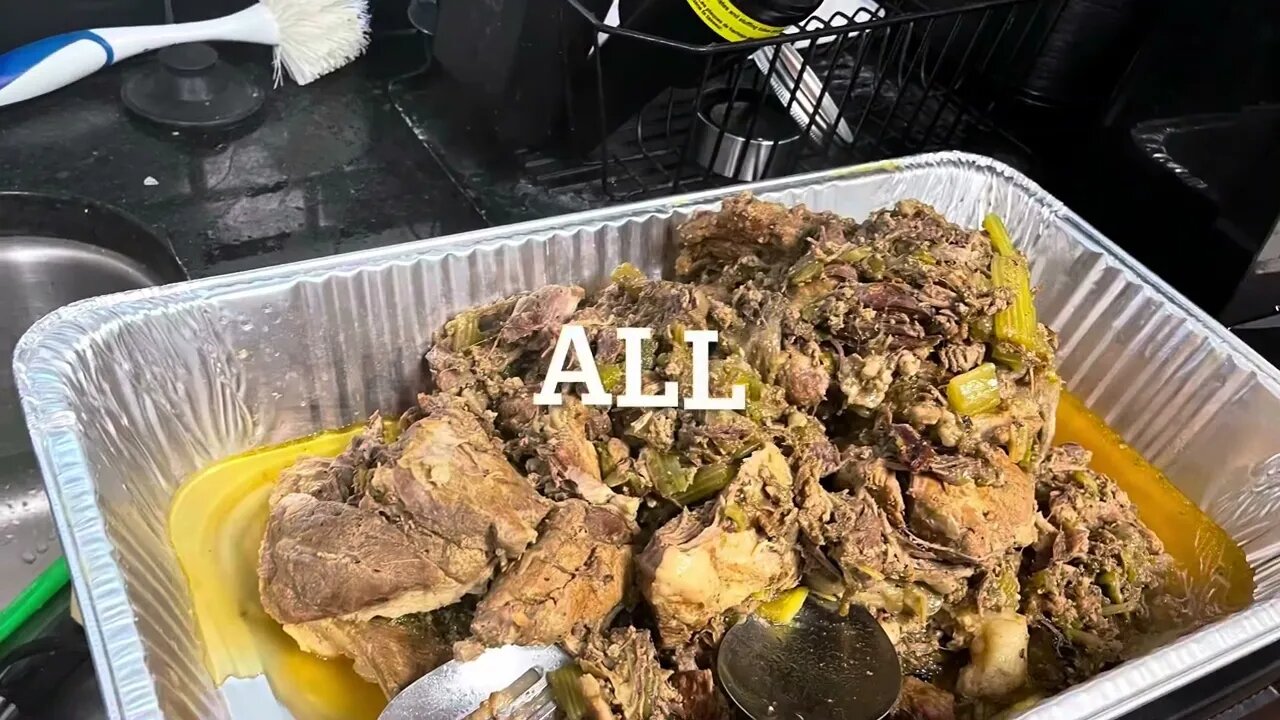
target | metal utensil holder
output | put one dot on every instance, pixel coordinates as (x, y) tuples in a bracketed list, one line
[(861, 86)]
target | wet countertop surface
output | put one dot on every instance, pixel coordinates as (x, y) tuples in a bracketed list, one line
[(326, 168)]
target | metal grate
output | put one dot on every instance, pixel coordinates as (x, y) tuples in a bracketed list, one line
[(901, 78)]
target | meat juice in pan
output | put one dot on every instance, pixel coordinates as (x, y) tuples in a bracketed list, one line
[(216, 525), (219, 518)]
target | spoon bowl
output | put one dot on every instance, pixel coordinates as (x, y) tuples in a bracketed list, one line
[(820, 666)]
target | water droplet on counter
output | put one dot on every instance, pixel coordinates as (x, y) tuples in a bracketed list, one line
[(28, 557), (42, 547)]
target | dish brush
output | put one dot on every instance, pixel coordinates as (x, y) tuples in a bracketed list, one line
[(311, 38)]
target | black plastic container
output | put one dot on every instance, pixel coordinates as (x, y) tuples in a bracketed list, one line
[(626, 72), (511, 56)]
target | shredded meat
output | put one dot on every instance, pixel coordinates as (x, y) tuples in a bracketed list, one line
[(635, 536)]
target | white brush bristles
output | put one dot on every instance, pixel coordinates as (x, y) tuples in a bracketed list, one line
[(318, 36)]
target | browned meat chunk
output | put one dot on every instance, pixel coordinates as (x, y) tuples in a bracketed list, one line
[(391, 653), (979, 521), (704, 563), (405, 529), (920, 700), (768, 233), (623, 680), (574, 576)]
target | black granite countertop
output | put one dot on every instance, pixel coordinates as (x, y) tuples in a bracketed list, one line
[(325, 168)]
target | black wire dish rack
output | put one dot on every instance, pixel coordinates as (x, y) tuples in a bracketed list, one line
[(904, 77)]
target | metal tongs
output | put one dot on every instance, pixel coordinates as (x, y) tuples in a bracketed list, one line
[(820, 666)]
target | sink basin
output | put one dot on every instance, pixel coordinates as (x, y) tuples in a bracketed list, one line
[(53, 251)]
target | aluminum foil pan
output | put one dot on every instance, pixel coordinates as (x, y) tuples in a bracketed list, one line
[(128, 395)]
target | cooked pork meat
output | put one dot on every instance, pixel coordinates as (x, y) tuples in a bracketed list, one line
[(622, 679), (920, 700), (385, 531), (575, 576), (391, 653), (895, 453), (978, 521), (1096, 570), (724, 555)]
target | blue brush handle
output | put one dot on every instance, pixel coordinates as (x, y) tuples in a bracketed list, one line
[(48, 64)]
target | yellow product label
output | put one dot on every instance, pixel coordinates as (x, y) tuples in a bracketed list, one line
[(731, 23)]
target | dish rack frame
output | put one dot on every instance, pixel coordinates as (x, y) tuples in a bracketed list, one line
[(906, 77)]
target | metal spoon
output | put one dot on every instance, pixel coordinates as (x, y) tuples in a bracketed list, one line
[(820, 666), (457, 688)]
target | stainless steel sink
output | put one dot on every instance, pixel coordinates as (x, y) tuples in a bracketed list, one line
[(53, 251)]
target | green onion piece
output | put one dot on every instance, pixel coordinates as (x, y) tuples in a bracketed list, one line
[(463, 330), (1000, 240), (707, 481), (974, 392), (566, 690)]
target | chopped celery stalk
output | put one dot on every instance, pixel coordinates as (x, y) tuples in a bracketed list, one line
[(628, 275), (677, 333), (566, 690), (607, 462), (1007, 355), (1123, 608), (668, 477), (806, 269), (707, 481), (736, 515), (1110, 584), (855, 254), (463, 330), (1017, 323), (974, 392), (1000, 240), (612, 377), (784, 608), (1019, 442)]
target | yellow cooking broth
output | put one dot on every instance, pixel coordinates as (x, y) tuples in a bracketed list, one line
[(1215, 568), (216, 524), (218, 518)]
